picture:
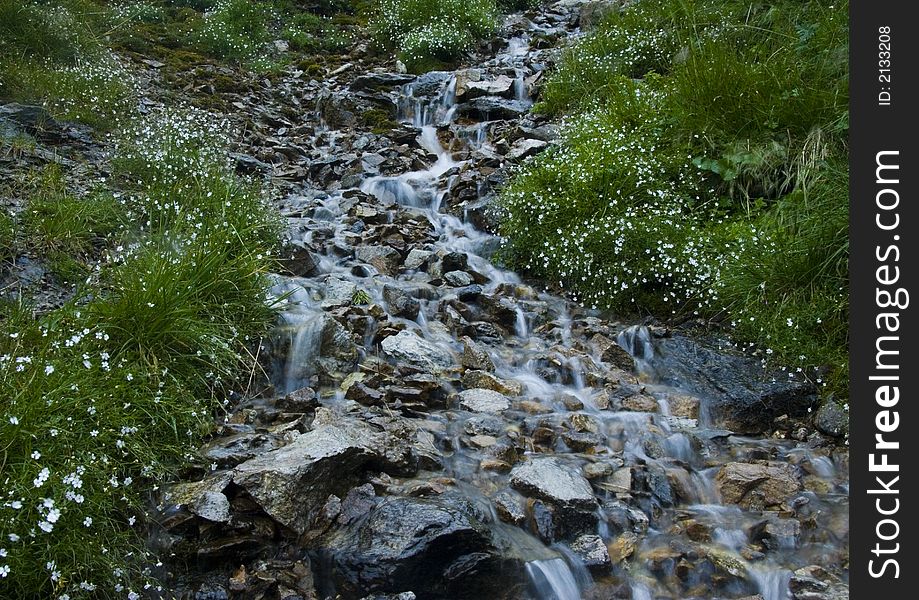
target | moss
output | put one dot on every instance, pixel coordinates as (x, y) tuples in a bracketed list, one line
[(378, 120)]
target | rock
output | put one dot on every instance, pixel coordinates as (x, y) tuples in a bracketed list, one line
[(831, 419), (640, 403), (509, 506), (597, 470), (777, 534), (475, 357), (204, 499), (550, 480), (483, 401), (501, 86), (484, 425), (749, 484), (524, 148), (409, 347), (593, 553), (490, 108), (383, 258), (430, 83), (622, 547), (292, 483), (815, 583), (32, 118), (380, 81), (249, 165), (230, 450), (485, 380), (338, 292), (582, 441), (454, 261), (458, 278), (592, 13), (434, 546), (740, 395), (417, 258), (400, 303), (683, 406)]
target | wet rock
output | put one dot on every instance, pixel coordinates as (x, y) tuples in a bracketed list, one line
[(204, 499), (640, 403), (229, 451), (290, 484), (741, 397), (409, 347), (582, 441), (484, 425), (430, 83), (510, 507), (433, 546), (831, 419), (481, 400), (749, 484), (297, 260), (475, 357), (338, 292), (485, 380), (549, 479), (302, 400), (622, 547), (816, 583), (454, 261), (489, 108), (597, 470), (525, 148), (417, 258), (458, 278), (400, 302), (383, 258), (592, 551), (380, 81), (777, 534), (501, 86)]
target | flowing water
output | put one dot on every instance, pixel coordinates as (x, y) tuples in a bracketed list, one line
[(542, 354)]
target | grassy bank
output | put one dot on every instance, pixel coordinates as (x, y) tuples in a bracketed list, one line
[(105, 396), (702, 170)]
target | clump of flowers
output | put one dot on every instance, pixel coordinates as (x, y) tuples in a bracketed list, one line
[(423, 30), (236, 28)]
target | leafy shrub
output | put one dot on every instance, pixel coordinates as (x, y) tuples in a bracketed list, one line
[(424, 30)]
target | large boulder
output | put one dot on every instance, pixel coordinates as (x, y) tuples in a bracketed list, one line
[(292, 483), (482, 400), (739, 394), (436, 547), (410, 348), (549, 479), (757, 485)]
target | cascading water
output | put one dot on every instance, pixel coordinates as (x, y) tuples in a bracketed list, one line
[(542, 353)]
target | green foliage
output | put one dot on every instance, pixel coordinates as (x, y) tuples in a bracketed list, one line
[(307, 32), (701, 169), (425, 30), (236, 28), (59, 222), (106, 395), (52, 55)]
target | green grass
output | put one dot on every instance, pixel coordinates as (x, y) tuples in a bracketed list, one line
[(426, 31), (112, 392), (702, 170), (57, 221)]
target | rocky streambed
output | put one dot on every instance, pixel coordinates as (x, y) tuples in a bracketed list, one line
[(438, 428)]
